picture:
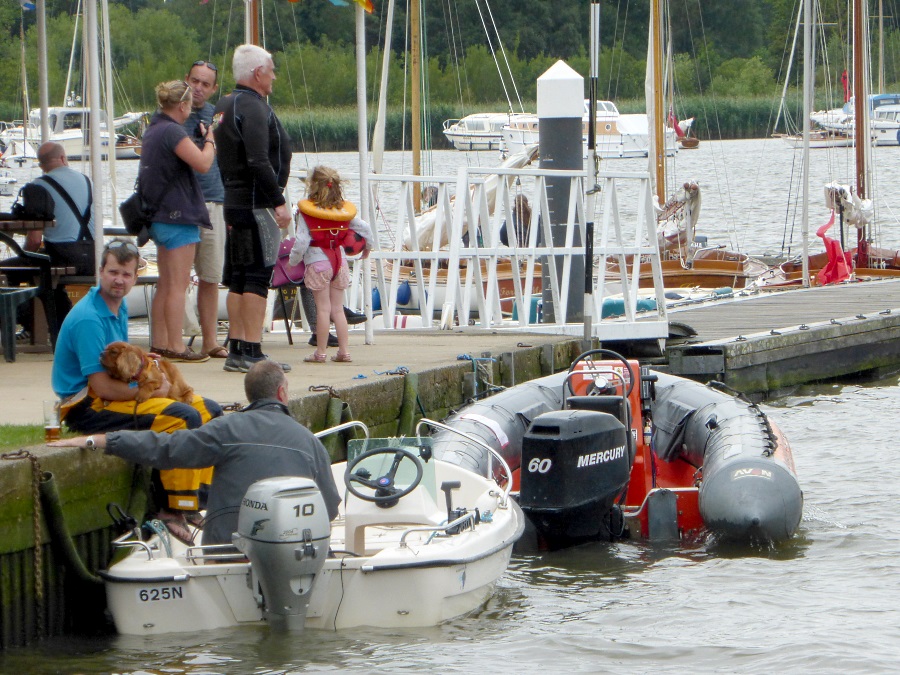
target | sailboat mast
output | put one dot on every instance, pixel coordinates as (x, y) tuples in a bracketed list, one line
[(880, 46), (861, 101), (415, 94), (659, 123), (861, 115), (808, 84), (251, 22)]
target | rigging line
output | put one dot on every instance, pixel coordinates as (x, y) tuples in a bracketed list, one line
[(427, 143), (406, 39), (493, 52), (227, 35), (212, 24), (719, 163), (454, 52), (306, 89), (612, 91), (512, 80)]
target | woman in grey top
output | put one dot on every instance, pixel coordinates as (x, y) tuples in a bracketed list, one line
[(169, 158)]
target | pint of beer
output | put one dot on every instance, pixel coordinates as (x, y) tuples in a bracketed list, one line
[(51, 421)]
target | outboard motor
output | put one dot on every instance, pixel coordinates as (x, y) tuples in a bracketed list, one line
[(575, 463), (284, 529)]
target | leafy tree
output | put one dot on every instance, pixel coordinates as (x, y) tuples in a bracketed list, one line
[(743, 77)]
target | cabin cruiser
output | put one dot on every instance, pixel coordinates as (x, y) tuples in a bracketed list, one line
[(69, 126), (479, 131), (618, 135)]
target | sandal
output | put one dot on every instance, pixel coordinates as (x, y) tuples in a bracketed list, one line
[(342, 358), (316, 357), (217, 352), (179, 529), (187, 356)]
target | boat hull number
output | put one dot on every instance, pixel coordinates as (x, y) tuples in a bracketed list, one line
[(160, 594)]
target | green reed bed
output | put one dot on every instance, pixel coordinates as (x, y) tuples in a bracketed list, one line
[(717, 117)]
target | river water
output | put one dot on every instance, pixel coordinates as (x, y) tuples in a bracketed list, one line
[(821, 603)]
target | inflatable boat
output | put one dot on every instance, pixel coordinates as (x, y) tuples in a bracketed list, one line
[(612, 449)]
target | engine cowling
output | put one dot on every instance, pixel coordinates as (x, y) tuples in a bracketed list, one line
[(284, 530)]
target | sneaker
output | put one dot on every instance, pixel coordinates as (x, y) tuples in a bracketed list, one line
[(250, 360), (234, 363), (353, 318), (332, 340)]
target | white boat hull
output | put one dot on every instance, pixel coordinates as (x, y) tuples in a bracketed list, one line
[(429, 580)]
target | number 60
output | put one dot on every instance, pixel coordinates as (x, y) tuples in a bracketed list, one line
[(539, 465)]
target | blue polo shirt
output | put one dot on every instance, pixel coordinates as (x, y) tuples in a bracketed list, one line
[(88, 328)]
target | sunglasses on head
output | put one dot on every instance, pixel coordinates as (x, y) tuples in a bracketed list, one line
[(186, 96), (209, 65), (119, 243)]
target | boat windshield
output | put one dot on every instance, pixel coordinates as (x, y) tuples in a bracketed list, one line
[(379, 465)]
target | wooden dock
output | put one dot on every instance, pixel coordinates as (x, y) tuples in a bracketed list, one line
[(767, 342)]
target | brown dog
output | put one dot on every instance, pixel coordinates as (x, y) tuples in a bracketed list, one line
[(128, 363)]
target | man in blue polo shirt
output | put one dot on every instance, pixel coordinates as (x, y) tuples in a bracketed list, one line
[(93, 402)]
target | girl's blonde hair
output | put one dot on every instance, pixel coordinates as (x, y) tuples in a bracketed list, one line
[(170, 94), (323, 187)]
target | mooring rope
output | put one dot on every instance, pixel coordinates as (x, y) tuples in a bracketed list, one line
[(38, 558)]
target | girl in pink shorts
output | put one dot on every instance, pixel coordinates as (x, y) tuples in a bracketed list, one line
[(327, 229)]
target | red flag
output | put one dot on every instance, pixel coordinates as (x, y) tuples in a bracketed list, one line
[(846, 82), (837, 269), (673, 121)]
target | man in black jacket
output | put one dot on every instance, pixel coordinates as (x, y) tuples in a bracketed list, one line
[(254, 153)]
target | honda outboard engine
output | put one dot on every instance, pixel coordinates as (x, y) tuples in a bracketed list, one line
[(575, 463), (284, 529)]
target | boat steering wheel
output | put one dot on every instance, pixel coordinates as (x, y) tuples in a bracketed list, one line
[(628, 380), (385, 494)]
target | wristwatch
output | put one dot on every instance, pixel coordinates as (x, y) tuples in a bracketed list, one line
[(89, 442)]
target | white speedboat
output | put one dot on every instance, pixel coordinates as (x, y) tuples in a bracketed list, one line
[(479, 131), (418, 541)]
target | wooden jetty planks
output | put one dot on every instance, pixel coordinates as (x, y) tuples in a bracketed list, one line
[(769, 342)]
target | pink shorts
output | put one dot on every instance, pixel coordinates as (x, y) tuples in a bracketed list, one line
[(319, 275)]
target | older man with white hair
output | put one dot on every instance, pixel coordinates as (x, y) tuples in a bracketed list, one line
[(254, 153)]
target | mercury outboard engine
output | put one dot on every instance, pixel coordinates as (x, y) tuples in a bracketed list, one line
[(575, 464), (284, 529)]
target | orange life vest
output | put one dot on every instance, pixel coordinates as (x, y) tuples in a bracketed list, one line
[(328, 227)]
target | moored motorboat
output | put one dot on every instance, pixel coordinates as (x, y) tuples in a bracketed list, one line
[(417, 541), (610, 448), (479, 131)]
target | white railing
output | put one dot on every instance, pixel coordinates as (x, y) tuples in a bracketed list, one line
[(423, 266)]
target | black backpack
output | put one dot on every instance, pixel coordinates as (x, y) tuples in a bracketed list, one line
[(36, 203)]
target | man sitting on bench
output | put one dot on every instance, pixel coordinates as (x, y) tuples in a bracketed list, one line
[(93, 402), (70, 242)]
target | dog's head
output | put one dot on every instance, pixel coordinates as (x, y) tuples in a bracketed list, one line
[(122, 360)]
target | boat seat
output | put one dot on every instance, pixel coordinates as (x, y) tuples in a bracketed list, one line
[(420, 507)]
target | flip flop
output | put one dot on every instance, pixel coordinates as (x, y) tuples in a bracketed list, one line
[(218, 352)]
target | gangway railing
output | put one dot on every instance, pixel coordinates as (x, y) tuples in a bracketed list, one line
[(448, 265)]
